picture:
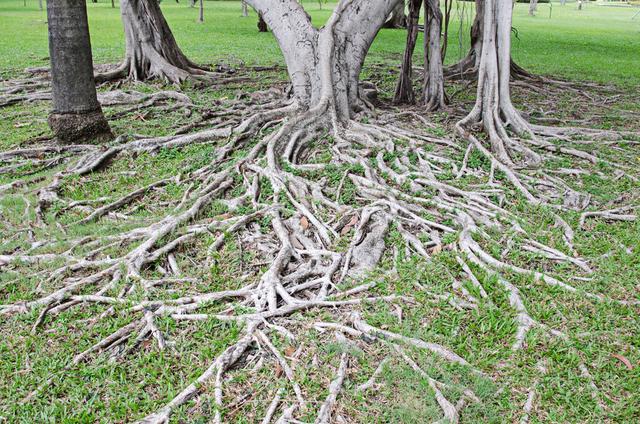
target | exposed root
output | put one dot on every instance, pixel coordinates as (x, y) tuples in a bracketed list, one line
[(324, 416), (531, 396), (310, 243)]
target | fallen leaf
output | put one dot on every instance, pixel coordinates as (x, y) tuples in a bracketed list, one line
[(290, 351), (278, 370), (350, 224), (304, 222), (436, 249), (624, 360)]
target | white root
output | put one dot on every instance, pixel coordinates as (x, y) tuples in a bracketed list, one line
[(449, 410), (531, 395), (324, 416), (372, 380)]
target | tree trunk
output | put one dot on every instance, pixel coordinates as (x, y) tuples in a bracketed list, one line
[(533, 7), (468, 67), (493, 108), (325, 64), (434, 94), (262, 25), (404, 87), (245, 9), (448, 6), (201, 15), (40, 4), (398, 18), (76, 115), (151, 49)]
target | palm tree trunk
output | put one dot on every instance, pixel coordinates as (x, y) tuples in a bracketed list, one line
[(77, 115)]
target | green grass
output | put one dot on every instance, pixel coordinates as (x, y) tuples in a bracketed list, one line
[(595, 44), (599, 44)]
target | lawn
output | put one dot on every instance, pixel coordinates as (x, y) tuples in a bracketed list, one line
[(598, 44)]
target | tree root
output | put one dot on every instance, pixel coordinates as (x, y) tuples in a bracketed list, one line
[(399, 186)]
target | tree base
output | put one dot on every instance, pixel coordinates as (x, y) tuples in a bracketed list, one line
[(80, 127)]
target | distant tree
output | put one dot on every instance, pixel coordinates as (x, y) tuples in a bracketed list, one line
[(151, 49), (533, 7), (433, 90), (404, 87), (76, 115)]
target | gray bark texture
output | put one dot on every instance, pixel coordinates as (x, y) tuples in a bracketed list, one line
[(325, 64), (468, 67), (398, 17), (533, 7), (404, 88), (493, 108), (151, 49), (434, 94), (76, 114)]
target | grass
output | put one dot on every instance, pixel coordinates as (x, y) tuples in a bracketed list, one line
[(597, 44)]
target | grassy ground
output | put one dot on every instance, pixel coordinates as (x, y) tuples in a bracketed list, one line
[(597, 44)]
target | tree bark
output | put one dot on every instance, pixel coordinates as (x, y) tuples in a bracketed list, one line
[(151, 49), (448, 6), (434, 94), (493, 108), (468, 67), (201, 15), (76, 115), (533, 7), (245, 9), (262, 25), (404, 87), (398, 17), (325, 64)]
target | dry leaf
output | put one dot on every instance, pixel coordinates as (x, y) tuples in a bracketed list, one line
[(304, 222), (350, 224), (624, 360), (436, 249), (290, 351), (278, 370)]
